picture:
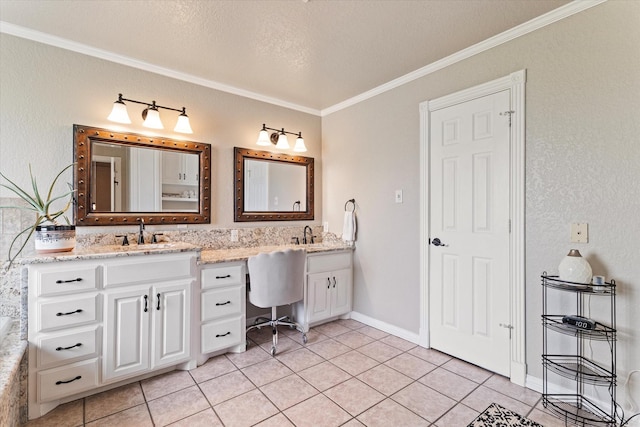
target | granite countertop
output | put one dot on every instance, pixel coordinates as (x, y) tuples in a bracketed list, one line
[(12, 350), (111, 251), (213, 256), (206, 256)]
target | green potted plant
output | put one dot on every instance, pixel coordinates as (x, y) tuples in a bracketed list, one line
[(51, 235)]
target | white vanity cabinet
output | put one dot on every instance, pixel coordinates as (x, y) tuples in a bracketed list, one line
[(221, 309), (147, 321), (64, 331), (93, 323), (328, 288)]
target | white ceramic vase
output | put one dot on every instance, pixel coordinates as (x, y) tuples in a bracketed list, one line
[(55, 238), (574, 268)]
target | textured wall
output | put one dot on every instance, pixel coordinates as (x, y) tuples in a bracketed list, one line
[(44, 90), (582, 157)]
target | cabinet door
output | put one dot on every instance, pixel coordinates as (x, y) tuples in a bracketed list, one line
[(319, 296), (341, 292), (172, 167), (191, 168), (171, 323), (126, 332)]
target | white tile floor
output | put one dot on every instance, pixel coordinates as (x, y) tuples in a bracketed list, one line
[(348, 374)]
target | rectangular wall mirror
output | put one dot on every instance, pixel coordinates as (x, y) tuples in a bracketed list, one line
[(122, 178), (272, 186)]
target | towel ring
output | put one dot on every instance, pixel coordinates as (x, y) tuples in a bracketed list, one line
[(353, 201)]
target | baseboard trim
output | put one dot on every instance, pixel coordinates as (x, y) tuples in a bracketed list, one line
[(386, 327)]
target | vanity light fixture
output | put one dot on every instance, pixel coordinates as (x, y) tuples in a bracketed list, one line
[(279, 139), (151, 115)]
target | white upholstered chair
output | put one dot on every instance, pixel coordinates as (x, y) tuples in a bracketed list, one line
[(276, 279)]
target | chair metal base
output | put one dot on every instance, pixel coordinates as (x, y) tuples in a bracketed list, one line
[(274, 322)]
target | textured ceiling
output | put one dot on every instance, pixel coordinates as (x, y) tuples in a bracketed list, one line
[(313, 54)]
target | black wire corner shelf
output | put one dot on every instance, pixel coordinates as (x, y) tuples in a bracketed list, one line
[(574, 406), (578, 368), (578, 409), (601, 332)]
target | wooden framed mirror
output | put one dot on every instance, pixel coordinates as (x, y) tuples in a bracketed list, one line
[(272, 186), (122, 178)]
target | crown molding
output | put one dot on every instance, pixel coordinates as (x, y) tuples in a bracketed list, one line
[(548, 18), (37, 36), (562, 12)]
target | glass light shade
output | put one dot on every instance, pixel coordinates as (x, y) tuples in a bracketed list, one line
[(299, 146), (283, 142), (263, 138), (119, 113), (183, 125), (153, 119)]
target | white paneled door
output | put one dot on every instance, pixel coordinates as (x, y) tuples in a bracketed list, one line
[(469, 231)]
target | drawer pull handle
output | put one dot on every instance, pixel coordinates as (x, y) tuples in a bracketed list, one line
[(70, 381), (69, 348), (223, 277), (79, 279), (146, 301), (158, 306), (223, 335), (223, 303), (71, 312)]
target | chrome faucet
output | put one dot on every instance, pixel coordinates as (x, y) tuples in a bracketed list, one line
[(304, 235), (141, 233)]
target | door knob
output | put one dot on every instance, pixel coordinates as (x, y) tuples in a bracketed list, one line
[(437, 242)]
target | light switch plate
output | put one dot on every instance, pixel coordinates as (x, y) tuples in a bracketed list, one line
[(579, 232), (398, 196), (234, 235), (325, 226)]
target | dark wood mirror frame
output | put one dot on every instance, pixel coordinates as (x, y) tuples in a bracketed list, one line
[(240, 215), (82, 137)]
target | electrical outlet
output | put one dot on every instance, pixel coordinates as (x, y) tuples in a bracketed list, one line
[(398, 196), (325, 226), (234, 235), (580, 232)]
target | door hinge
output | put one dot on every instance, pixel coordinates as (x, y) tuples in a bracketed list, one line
[(508, 113)]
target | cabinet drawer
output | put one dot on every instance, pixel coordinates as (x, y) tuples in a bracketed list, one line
[(65, 279), (328, 262), (222, 276), (219, 335), (67, 380), (221, 302), (56, 349), (56, 313), (147, 269)]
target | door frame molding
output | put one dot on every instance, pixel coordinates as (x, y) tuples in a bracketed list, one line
[(515, 83)]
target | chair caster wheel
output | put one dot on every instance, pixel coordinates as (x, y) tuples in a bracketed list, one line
[(304, 338), (273, 351)]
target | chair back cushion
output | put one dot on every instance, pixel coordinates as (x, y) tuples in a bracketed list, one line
[(276, 278)]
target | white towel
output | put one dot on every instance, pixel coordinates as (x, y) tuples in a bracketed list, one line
[(349, 227)]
